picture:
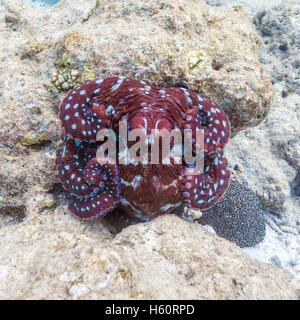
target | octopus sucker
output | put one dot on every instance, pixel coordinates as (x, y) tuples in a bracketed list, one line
[(134, 192)]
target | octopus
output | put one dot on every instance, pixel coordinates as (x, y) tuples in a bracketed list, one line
[(128, 193)]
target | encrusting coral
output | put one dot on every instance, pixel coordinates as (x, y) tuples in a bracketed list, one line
[(66, 77)]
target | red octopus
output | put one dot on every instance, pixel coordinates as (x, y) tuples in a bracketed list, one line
[(135, 192)]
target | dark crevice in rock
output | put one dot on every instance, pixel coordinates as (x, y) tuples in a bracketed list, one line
[(12, 215), (295, 187)]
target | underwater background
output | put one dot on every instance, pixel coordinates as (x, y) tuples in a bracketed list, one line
[(244, 55)]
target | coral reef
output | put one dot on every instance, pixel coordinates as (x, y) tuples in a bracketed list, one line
[(239, 217), (160, 43), (66, 77), (64, 80)]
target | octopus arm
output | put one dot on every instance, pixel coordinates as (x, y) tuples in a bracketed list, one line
[(106, 177), (85, 110), (71, 166), (94, 207), (202, 191), (208, 117)]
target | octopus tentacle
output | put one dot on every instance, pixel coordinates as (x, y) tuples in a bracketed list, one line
[(106, 198), (208, 116), (93, 207), (71, 167), (83, 113), (202, 191), (97, 186)]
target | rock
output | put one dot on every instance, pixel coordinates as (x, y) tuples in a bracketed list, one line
[(296, 185), (249, 6), (20, 177), (56, 256), (238, 216), (280, 29), (219, 69), (278, 248), (270, 157), (270, 154), (276, 261), (222, 73)]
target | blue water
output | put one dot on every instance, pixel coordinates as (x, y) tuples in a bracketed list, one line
[(42, 2)]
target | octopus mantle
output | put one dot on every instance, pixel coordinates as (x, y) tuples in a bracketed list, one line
[(138, 192)]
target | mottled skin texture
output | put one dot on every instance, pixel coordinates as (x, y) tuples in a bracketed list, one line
[(132, 193)]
